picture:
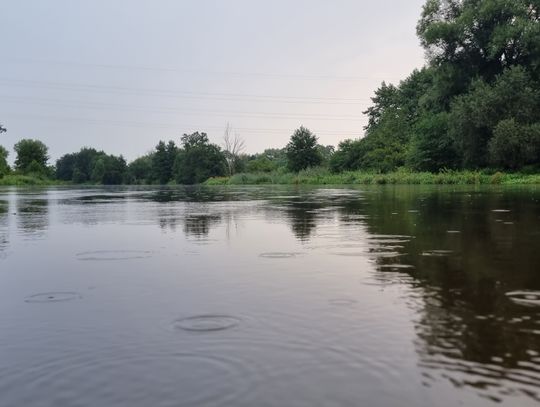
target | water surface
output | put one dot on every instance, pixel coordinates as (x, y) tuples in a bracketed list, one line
[(270, 296)]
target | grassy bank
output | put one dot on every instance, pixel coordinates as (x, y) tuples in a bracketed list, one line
[(322, 177), (25, 180)]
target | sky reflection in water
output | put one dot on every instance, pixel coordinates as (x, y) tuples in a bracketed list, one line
[(297, 296)]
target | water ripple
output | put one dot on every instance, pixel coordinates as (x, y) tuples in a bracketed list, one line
[(57, 296), (111, 255), (206, 323)]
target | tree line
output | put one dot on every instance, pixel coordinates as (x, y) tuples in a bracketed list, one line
[(193, 161), (474, 105)]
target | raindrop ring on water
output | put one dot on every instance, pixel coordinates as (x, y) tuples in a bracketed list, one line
[(53, 297), (206, 323), (279, 255)]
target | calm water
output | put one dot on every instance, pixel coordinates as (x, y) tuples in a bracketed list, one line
[(388, 296)]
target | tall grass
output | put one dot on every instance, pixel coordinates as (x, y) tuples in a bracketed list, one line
[(24, 180), (318, 176)]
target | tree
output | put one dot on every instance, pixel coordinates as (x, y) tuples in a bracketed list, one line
[(198, 160), (513, 145), (431, 147), (482, 68), (302, 150), (65, 166), (261, 163), (482, 37), (348, 156), (31, 153), (391, 121), (4, 167), (475, 115), (163, 161), (78, 167), (140, 170), (98, 172), (90, 165), (232, 149), (115, 170), (326, 153)]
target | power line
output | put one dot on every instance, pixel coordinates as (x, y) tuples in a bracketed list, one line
[(197, 71), (73, 87), (156, 125), (173, 110)]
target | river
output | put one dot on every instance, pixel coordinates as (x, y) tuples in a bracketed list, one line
[(270, 296)]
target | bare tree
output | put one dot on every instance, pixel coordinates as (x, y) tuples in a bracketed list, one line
[(233, 146)]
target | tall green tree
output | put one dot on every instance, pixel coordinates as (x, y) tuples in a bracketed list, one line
[(78, 167), (115, 170), (163, 161), (32, 156), (326, 153), (4, 167), (482, 37), (302, 150), (140, 170), (431, 147), (348, 156), (84, 164), (65, 166), (391, 121), (514, 145), (90, 165), (474, 116), (198, 160), (98, 172), (483, 69)]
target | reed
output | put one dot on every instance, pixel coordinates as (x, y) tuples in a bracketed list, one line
[(318, 176)]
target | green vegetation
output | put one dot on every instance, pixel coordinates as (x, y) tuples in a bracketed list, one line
[(198, 160), (470, 115), (320, 176), (476, 103), (91, 166), (25, 180), (302, 151), (4, 167), (162, 162), (31, 157)]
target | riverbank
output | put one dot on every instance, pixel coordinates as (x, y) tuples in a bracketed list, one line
[(322, 177), (317, 177), (26, 180)]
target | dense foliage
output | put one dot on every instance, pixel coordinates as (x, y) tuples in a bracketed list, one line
[(198, 160), (302, 151), (477, 102), (163, 161), (91, 166), (4, 167), (32, 157)]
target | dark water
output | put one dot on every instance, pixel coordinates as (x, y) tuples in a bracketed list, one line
[(388, 296)]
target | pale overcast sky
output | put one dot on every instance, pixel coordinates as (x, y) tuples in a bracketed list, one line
[(119, 75)]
